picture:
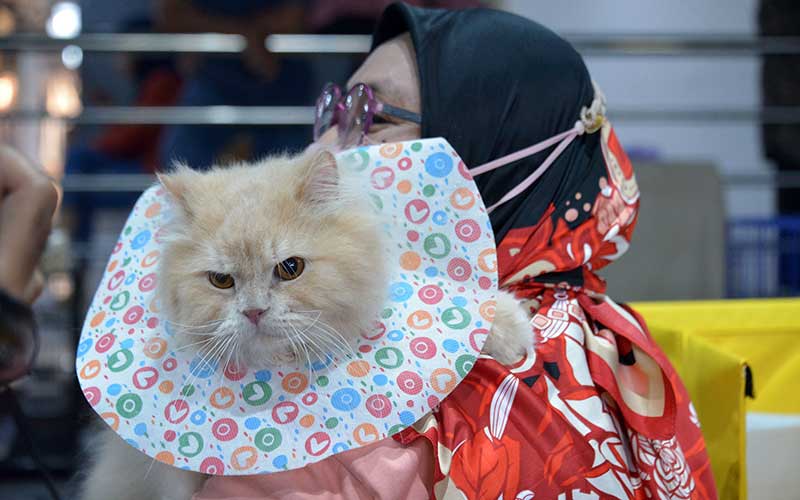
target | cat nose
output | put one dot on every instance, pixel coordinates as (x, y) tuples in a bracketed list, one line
[(253, 315)]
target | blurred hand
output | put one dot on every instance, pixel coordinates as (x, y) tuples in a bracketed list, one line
[(181, 16), (28, 200), (256, 56), (286, 19)]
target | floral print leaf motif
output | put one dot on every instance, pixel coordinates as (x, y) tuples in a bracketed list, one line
[(485, 467), (664, 461), (558, 456), (501, 405)]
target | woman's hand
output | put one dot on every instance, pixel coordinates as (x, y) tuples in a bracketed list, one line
[(28, 200)]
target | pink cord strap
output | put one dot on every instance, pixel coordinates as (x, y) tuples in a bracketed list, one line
[(522, 153), (592, 119), (522, 186)]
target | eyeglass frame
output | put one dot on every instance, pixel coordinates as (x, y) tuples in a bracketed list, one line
[(332, 100)]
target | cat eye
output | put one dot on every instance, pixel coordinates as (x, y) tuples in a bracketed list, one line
[(220, 280), (290, 268)]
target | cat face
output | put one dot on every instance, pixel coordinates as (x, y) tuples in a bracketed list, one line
[(270, 262)]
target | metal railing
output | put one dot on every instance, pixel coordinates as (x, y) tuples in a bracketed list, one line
[(134, 183), (598, 45), (304, 115), (590, 44), (213, 43), (179, 115), (216, 43)]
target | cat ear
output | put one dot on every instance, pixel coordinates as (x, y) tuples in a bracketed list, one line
[(178, 182), (320, 181)]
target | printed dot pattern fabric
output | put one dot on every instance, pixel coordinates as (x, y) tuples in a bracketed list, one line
[(229, 420)]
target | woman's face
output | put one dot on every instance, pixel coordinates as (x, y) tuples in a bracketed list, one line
[(391, 71)]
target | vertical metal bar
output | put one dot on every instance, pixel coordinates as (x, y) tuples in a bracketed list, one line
[(732, 277), (762, 238), (792, 231)]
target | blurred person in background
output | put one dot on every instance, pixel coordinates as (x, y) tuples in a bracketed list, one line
[(28, 200), (780, 87), (157, 83), (780, 82), (256, 78), (132, 148), (124, 148)]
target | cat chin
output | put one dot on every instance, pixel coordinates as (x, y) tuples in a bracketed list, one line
[(259, 353), (258, 361)]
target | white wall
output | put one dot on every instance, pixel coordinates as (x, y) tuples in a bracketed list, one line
[(675, 82)]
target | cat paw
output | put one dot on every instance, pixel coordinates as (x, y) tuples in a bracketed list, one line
[(511, 334)]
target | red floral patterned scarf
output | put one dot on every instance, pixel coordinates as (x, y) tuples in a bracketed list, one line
[(595, 410)]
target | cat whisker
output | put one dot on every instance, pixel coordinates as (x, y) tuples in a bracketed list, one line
[(149, 468), (219, 351), (336, 338), (234, 339), (193, 373), (223, 344), (305, 351), (210, 354), (304, 316), (327, 352), (212, 322), (198, 331), (304, 333), (325, 327), (333, 344), (297, 336), (206, 350), (186, 346), (314, 321), (238, 364), (320, 353), (333, 331), (318, 350), (197, 334), (220, 354), (194, 327), (310, 311), (236, 353), (295, 351)]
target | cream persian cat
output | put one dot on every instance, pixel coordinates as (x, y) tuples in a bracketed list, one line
[(267, 263)]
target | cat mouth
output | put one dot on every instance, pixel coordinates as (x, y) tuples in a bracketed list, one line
[(274, 339), (270, 333)]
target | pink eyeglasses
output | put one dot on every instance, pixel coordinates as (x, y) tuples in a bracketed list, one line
[(353, 113)]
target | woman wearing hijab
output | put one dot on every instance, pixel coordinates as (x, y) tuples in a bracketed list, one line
[(597, 411)]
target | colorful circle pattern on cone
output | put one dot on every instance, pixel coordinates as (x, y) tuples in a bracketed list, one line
[(237, 420)]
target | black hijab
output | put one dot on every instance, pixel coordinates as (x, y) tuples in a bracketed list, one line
[(493, 83)]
